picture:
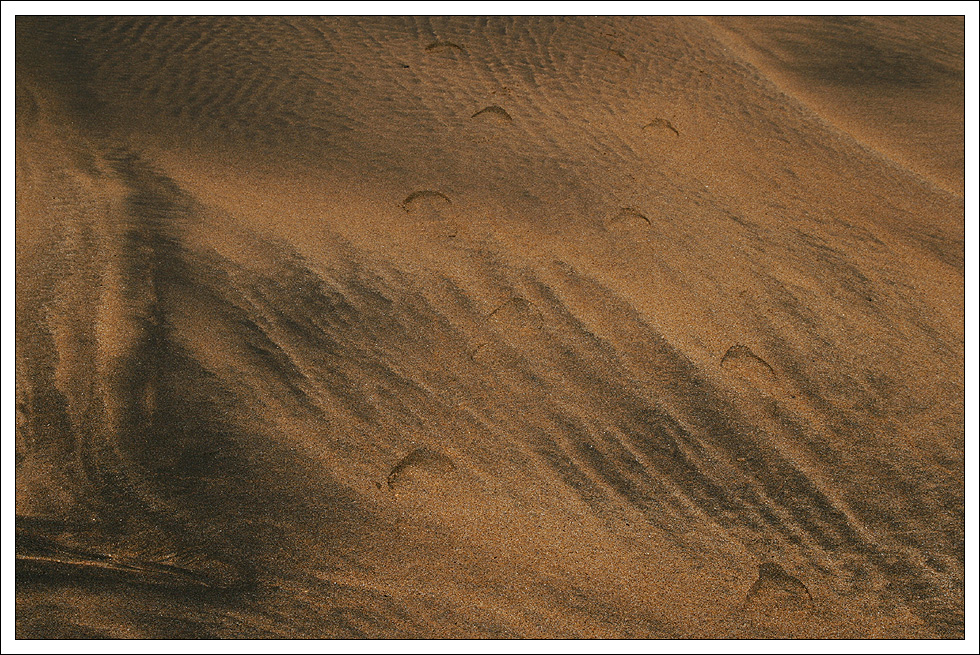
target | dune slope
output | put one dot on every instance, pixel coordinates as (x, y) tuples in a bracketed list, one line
[(465, 327)]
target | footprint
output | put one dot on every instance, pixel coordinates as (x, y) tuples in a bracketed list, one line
[(494, 114), (484, 353), (741, 361), (443, 46), (423, 471), (661, 126), (517, 323), (487, 123), (432, 211), (618, 53), (628, 218), (516, 315), (496, 355), (420, 199), (777, 592)]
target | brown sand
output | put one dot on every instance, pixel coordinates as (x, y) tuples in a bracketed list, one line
[(465, 327)]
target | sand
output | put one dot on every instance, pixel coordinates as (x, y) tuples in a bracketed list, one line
[(474, 327)]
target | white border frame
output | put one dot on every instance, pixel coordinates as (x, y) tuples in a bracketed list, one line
[(12, 8)]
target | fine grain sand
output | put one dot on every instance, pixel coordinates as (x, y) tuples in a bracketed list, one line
[(490, 327)]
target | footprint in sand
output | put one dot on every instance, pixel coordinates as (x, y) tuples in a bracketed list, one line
[(444, 46), (777, 597), (423, 472), (426, 485), (660, 127), (608, 66), (751, 368), (431, 211), (618, 54), (494, 114), (627, 219), (488, 122), (517, 321)]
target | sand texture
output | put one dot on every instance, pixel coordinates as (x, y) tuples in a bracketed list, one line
[(386, 327)]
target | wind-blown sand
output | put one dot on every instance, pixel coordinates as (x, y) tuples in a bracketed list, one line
[(509, 327)]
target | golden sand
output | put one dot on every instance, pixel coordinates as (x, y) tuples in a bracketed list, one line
[(490, 327)]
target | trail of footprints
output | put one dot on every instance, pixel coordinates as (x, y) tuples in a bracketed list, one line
[(517, 316), (496, 116), (425, 471)]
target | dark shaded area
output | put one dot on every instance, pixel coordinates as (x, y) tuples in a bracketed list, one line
[(882, 51)]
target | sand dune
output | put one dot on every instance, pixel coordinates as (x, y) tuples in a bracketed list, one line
[(490, 327)]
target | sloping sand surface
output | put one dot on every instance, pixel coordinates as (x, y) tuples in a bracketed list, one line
[(507, 327)]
